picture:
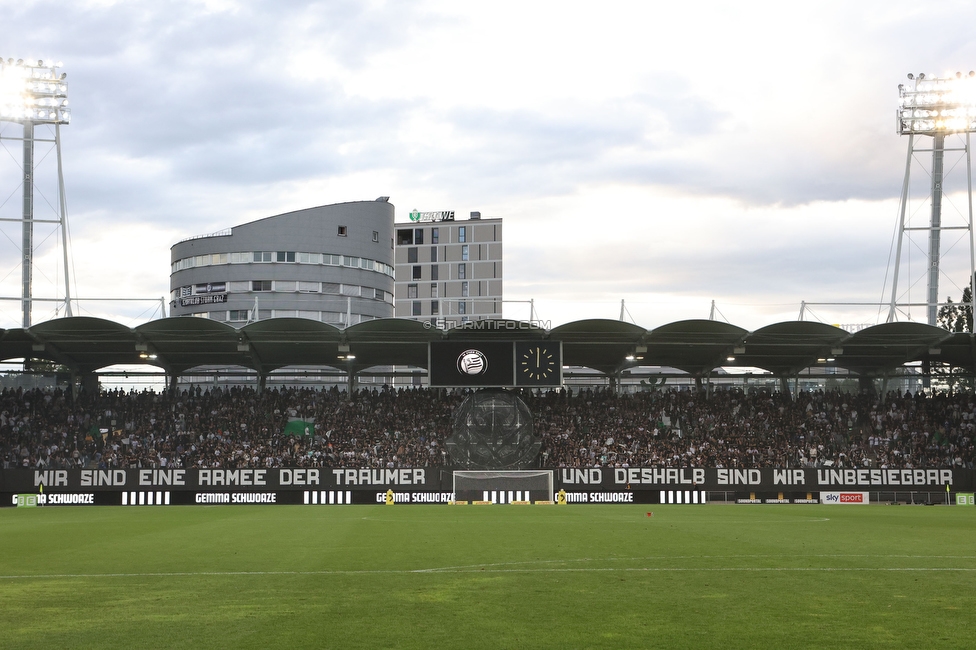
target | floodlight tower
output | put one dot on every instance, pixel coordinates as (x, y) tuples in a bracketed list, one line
[(935, 107), (35, 93)]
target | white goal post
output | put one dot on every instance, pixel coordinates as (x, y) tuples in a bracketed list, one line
[(503, 486)]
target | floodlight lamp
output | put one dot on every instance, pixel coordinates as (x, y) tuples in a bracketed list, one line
[(33, 93), (937, 105)]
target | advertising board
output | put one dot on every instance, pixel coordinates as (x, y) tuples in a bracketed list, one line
[(345, 485), (845, 498)]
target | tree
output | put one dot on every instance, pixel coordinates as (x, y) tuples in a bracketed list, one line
[(954, 317), (958, 317)]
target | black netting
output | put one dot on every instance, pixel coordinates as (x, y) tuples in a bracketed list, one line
[(493, 430), (524, 485)]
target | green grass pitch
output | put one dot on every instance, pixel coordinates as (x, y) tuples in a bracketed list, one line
[(715, 576)]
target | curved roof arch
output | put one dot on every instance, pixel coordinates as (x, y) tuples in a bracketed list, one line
[(280, 342), (600, 344), (180, 343), (389, 341), (878, 349), (84, 343), (789, 347), (695, 346)]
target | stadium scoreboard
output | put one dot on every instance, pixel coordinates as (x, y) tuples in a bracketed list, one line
[(495, 364)]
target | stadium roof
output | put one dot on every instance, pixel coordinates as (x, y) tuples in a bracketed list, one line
[(176, 345)]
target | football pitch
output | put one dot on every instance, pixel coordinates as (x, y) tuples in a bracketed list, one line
[(784, 576)]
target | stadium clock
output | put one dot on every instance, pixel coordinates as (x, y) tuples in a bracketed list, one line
[(538, 364)]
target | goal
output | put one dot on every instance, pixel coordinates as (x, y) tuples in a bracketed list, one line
[(503, 486)]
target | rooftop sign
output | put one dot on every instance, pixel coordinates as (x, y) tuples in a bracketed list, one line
[(444, 215)]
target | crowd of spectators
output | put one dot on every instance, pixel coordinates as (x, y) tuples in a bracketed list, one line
[(240, 428)]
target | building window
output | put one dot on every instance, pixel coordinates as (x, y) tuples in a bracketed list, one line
[(462, 234), (404, 237), (261, 285), (433, 290), (417, 272), (412, 255), (465, 252), (434, 235), (309, 287), (342, 231), (411, 291), (433, 253), (434, 308), (263, 256), (418, 236), (464, 289), (287, 256), (376, 235), (462, 271), (237, 315), (416, 308), (462, 307), (434, 273)]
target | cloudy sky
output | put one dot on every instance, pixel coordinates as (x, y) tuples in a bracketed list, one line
[(665, 154)]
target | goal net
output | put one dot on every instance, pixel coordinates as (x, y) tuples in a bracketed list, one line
[(503, 486)]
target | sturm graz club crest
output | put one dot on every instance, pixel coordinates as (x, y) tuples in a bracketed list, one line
[(472, 362)]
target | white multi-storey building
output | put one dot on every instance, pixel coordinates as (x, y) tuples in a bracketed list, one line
[(447, 271)]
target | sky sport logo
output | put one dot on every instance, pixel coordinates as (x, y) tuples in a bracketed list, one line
[(472, 362), (859, 498)]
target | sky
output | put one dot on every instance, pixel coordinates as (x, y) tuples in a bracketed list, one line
[(659, 160)]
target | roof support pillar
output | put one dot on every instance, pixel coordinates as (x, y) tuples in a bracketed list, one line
[(866, 386), (350, 381), (89, 383), (784, 386), (262, 381)]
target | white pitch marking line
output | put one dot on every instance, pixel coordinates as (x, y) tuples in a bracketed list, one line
[(459, 570), (688, 557)]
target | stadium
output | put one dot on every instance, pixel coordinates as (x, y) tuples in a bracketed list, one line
[(495, 508), (351, 447)]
